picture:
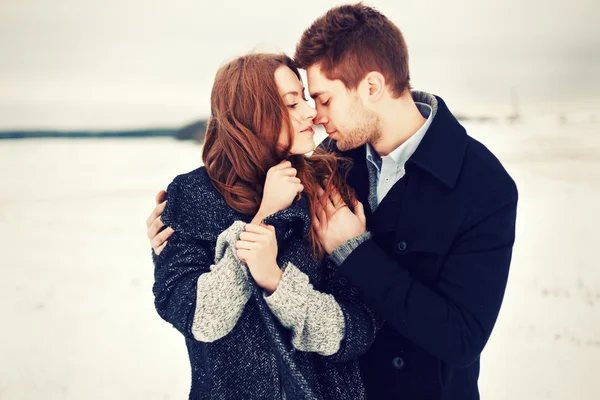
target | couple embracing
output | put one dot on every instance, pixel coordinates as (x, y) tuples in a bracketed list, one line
[(374, 267)]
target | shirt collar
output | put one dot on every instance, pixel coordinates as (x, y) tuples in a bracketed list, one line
[(403, 152)]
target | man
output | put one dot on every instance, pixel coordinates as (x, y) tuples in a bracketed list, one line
[(434, 256)]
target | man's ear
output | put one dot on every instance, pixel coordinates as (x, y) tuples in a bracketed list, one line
[(376, 82), (373, 86)]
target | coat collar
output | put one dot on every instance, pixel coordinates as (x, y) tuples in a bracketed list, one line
[(196, 209), (442, 150), (293, 221)]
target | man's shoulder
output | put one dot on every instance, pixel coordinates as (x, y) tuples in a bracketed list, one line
[(482, 168)]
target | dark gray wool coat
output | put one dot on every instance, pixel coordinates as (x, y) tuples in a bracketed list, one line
[(256, 359)]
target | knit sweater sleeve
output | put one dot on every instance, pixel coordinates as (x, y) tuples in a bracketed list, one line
[(222, 293), (332, 322), (315, 318), (201, 298)]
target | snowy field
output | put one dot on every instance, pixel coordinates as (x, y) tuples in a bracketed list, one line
[(76, 272)]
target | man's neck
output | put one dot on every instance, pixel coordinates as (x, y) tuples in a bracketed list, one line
[(399, 121)]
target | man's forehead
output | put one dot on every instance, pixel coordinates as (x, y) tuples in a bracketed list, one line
[(317, 82)]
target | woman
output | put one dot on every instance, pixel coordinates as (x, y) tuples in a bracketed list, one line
[(244, 277)]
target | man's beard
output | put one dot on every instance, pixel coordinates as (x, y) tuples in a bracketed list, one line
[(366, 130)]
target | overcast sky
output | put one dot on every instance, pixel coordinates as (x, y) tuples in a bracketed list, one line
[(90, 64)]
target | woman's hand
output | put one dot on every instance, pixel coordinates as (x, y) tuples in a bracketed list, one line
[(257, 247), (281, 188)]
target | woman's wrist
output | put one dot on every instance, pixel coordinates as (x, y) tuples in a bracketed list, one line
[(260, 215), (271, 285)]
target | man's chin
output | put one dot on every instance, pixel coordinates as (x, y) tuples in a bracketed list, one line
[(345, 145)]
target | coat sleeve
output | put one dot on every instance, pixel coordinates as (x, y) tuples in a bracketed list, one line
[(200, 296), (454, 321)]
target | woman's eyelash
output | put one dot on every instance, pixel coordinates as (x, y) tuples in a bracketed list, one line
[(292, 105)]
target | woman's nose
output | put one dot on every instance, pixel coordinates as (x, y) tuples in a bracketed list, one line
[(311, 113)]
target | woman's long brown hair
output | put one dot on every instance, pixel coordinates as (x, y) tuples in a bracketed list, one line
[(247, 116)]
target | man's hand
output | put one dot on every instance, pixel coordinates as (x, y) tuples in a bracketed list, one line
[(257, 247), (336, 223), (157, 235)]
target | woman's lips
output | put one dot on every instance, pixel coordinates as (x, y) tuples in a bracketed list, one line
[(308, 130)]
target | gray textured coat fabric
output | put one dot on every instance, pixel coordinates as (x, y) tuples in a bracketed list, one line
[(256, 359)]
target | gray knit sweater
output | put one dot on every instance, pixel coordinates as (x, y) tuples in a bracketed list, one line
[(259, 346), (315, 318)]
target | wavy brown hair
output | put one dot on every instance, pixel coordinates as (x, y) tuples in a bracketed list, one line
[(241, 144)]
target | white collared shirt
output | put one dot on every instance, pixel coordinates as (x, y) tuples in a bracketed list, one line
[(390, 168)]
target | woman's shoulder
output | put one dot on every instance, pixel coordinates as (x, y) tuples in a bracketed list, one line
[(197, 178), (194, 205), (191, 189)]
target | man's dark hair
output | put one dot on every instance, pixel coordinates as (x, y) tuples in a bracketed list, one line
[(350, 41)]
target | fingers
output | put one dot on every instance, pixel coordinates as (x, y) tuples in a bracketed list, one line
[(282, 165), (321, 205), (315, 222), (336, 198), (243, 245), (320, 193), (321, 216), (154, 228), (298, 186), (158, 210), (326, 205), (160, 248), (289, 171), (251, 237), (160, 196), (243, 254), (359, 211), (329, 207), (161, 238), (260, 229)]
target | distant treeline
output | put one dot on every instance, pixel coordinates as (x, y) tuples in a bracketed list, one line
[(193, 131)]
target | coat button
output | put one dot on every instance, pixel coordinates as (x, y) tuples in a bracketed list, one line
[(402, 245), (398, 362), (354, 290), (343, 281)]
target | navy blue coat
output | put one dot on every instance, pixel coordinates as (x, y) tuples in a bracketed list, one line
[(256, 360), (437, 266)]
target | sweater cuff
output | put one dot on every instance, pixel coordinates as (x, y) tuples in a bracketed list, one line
[(288, 302), (339, 255)]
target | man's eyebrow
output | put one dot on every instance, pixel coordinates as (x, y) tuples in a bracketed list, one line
[(315, 95)]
